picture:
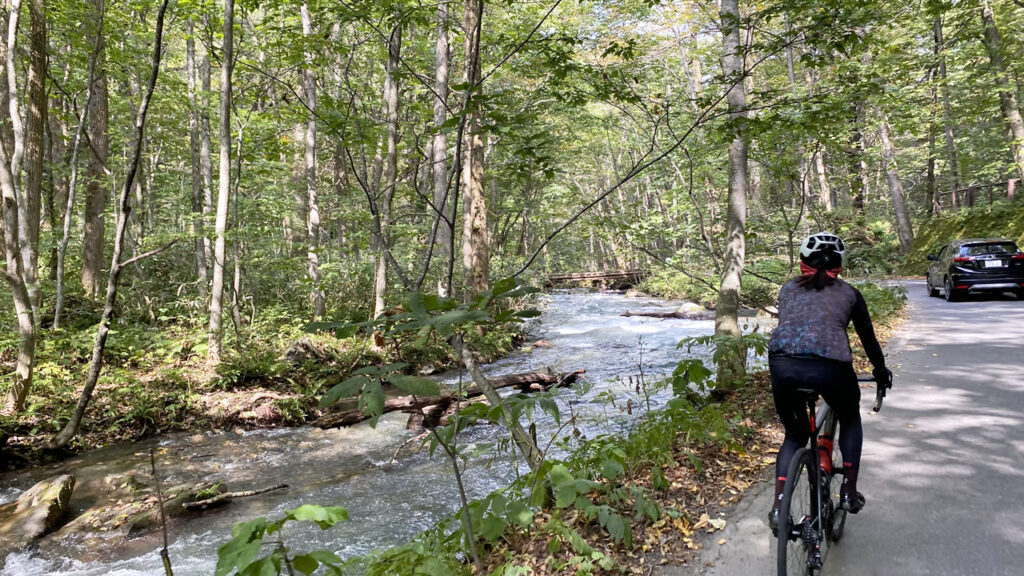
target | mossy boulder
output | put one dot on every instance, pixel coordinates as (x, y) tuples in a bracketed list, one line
[(37, 511)]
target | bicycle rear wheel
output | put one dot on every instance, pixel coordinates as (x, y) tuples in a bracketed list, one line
[(798, 517), (838, 524)]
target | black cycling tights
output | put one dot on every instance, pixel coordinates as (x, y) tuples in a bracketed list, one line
[(837, 383)]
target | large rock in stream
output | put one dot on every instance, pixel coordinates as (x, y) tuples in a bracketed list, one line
[(37, 511)]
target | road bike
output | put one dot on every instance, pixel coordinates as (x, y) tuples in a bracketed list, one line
[(810, 518)]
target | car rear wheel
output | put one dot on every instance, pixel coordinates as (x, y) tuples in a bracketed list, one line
[(951, 294), (933, 292)]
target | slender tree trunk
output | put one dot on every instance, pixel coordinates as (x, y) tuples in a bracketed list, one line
[(94, 223), (63, 437), (198, 228), (216, 330), (35, 129), (857, 174), (824, 190), (205, 147), (390, 168), (802, 164), (439, 150), (947, 112), (931, 189), (475, 242), (313, 213), (524, 441), (69, 212), (904, 230), (57, 197), (732, 368), (1007, 90), (14, 211)]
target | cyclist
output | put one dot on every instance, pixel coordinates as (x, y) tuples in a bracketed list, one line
[(810, 349)]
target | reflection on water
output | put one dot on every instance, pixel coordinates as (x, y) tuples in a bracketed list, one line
[(388, 501)]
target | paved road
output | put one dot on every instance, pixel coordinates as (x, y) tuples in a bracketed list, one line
[(943, 463)]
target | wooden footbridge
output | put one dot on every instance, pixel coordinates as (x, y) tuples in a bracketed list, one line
[(614, 279)]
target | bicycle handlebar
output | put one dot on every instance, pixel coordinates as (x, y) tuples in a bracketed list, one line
[(879, 391)]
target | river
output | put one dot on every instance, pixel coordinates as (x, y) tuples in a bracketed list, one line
[(389, 500)]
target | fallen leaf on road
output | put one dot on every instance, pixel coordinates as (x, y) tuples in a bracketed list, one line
[(721, 542)]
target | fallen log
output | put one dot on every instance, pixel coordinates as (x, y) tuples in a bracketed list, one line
[(702, 315), (525, 382), (226, 497)]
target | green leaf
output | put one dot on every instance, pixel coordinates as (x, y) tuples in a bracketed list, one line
[(504, 285), (415, 385), (528, 313), (550, 407), (344, 389), (269, 566), (305, 564), (242, 549), (372, 399), (461, 318), (611, 469), (325, 517), (519, 513), (492, 528)]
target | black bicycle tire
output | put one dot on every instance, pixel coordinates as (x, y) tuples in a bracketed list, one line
[(801, 480), (838, 514)]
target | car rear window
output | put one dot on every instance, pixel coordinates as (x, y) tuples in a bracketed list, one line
[(991, 248)]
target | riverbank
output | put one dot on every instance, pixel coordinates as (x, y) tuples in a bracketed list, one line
[(157, 383)]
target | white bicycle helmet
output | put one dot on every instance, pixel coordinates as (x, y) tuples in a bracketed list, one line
[(823, 250)]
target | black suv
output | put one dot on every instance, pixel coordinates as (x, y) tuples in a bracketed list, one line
[(979, 265)]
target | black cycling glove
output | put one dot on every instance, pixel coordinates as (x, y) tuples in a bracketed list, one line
[(883, 377)]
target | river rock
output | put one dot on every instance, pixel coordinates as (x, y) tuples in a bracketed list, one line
[(134, 507), (34, 513), (691, 308)]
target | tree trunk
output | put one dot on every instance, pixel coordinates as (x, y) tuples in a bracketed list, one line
[(205, 147), (390, 167), (69, 212), (1007, 91), (732, 368), (94, 222), (802, 164), (313, 213), (439, 152), (947, 112), (35, 128), (62, 438), (904, 230), (824, 190), (57, 197), (213, 353), (475, 243), (14, 216), (198, 228)]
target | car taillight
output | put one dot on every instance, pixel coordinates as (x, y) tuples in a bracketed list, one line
[(1017, 256), (963, 259)]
